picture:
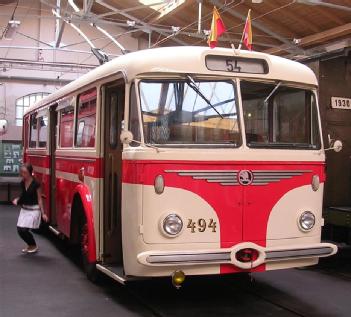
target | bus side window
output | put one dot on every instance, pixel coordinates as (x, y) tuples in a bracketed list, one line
[(134, 125), (66, 127), (42, 126), (86, 119), (33, 131)]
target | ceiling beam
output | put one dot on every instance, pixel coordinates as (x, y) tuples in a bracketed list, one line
[(315, 39), (87, 5), (290, 46), (328, 15), (144, 24), (59, 25), (297, 18)]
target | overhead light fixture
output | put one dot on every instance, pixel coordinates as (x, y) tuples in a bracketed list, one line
[(10, 29), (73, 5), (130, 23), (256, 1)]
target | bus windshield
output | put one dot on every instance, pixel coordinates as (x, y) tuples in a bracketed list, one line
[(190, 112), (278, 116)]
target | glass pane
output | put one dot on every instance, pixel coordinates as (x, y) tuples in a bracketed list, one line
[(190, 112), (134, 123), (32, 99), (19, 102), (66, 127), (86, 119), (19, 112), (33, 131), (26, 101), (43, 123), (19, 122), (279, 116), (113, 120)]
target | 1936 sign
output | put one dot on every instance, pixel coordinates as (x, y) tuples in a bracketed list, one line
[(341, 103)]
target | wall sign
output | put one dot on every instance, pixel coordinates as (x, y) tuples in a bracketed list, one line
[(10, 158), (341, 103)]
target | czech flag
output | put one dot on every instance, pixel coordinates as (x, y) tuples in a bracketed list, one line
[(217, 28), (247, 34)]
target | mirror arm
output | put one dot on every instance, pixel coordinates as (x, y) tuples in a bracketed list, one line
[(147, 145)]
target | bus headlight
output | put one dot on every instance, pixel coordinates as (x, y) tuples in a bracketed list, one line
[(307, 220), (172, 224)]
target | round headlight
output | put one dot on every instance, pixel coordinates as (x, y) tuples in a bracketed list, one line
[(307, 220), (172, 224)]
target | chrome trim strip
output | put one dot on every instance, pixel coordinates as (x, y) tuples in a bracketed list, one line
[(225, 256), (229, 177), (189, 258), (223, 177), (213, 176), (38, 155), (111, 274), (282, 254), (76, 158), (201, 171), (283, 171)]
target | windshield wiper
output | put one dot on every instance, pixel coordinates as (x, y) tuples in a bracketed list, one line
[(191, 83), (272, 92)]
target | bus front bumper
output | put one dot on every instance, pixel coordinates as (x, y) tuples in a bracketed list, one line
[(229, 255)]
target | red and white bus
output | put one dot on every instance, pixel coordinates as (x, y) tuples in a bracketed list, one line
[(184, 161)]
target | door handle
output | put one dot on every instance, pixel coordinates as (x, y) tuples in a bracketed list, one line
[(81, 174)]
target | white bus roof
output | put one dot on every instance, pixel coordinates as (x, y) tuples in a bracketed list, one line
[(185, 60)]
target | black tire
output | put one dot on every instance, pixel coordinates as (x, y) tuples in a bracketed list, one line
[(88, 267)]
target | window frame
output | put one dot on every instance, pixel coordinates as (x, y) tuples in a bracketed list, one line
[(231, 80), (59, 109), (33, 114), (301, 86), (42, 115), (76, 119), (43, 94)]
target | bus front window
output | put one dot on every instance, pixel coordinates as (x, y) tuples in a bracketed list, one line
[(189, 113), (277, 116)]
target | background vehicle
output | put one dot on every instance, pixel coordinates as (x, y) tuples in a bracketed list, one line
[(178, 161), (333, 70)]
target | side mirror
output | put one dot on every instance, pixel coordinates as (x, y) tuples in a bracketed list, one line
[(126, 137), (335, 145)]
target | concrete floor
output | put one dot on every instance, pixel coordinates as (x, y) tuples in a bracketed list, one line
[(51, 283)]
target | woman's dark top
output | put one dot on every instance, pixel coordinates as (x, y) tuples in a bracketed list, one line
[(29, 197)]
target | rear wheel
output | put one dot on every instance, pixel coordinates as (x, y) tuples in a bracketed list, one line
[(88, 267)]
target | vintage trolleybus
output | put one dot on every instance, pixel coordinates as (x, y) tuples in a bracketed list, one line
[(184, 161)]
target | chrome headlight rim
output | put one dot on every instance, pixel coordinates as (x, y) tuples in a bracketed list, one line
[(302, 221), (165, 221)]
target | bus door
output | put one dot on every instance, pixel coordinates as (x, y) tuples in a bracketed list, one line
[(114, 96), (52, 149)]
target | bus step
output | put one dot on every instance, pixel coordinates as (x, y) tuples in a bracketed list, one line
[(54, 230), (113, 271)]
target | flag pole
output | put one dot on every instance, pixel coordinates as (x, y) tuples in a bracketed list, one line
[(242, 35)]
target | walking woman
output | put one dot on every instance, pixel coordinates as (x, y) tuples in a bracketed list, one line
[(31, 208)]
